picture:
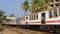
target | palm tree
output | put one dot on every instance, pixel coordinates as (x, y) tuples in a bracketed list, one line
[(34, 5), (38, 5), (25, 5)]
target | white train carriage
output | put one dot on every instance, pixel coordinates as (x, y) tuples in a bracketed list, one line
[(48, 20), (48, 17)]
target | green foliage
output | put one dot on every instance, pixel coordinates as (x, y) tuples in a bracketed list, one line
[(1, 28), (2, 13), (12, 15), (36, 5), (2, 17), (25, 5)]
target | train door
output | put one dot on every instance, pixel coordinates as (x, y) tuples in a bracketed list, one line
[(43, 18), (26, 20)]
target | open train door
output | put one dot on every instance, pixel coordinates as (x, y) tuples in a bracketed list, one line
[(43, 18)]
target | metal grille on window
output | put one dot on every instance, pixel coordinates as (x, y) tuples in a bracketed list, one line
[(55, 12), (57, 0), (50, 13), (36, 16), (32, 17), (29, 17)]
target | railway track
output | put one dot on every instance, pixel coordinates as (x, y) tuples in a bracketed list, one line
[(25, 31)]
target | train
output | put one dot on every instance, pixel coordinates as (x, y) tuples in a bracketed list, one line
[(46, 20)]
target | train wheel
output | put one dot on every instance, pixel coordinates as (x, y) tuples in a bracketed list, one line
[(51, 31)]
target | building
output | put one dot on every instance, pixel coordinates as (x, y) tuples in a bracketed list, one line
[(11, 20), (54, 3)]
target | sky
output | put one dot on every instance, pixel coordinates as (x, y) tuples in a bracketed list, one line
[(12, 7)]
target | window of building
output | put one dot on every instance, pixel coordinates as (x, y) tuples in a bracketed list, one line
[(56, 0), (57, 4), (50, 13), (55, 12), (51, 5), (51, 0)]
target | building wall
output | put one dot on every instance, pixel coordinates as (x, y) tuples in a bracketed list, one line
[(54, 3)]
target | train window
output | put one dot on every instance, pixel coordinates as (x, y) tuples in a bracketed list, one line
[(36, 16), (33, 17), (26, 17), (50, 13), (55, 12), (30, 18), (59, 11)]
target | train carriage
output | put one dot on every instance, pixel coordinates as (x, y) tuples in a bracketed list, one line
[(48, 20), (48, 17)]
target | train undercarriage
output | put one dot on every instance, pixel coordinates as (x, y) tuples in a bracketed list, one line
[(46, 28)]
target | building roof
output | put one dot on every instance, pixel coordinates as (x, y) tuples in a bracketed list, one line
[(11, 18)]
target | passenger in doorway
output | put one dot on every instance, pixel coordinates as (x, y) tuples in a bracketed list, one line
[(43, 20)]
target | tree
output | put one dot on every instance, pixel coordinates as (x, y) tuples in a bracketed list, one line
[(1, 15), (36, 5), (25, 5), (12, 15), (1, 18)]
